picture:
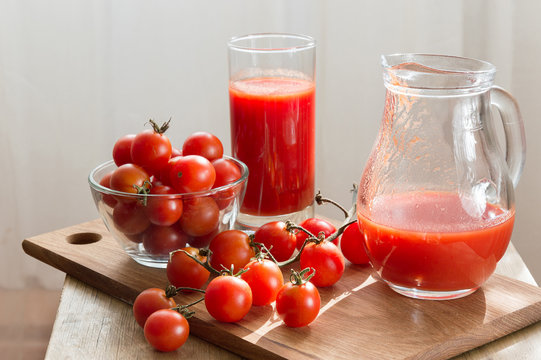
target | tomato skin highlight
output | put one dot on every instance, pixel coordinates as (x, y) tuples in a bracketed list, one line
[(315, 226), (298, 305), (148, 301), (166, 330), (265, 279), (183, 271), (352, 245), (228, 298), (230, 247), (280, 242), (326, 259)]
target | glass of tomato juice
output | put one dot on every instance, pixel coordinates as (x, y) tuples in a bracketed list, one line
[(272, 108)]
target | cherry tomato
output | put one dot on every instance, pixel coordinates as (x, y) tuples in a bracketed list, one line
[(352, 245), (128, 178), (203, 144), (200, 216), (163, 211), (280, 242), (183, 271), (298, 304), (166, 330), (161, 240), (105, 182), (149, 301), (265, 279), (227, 172), (230, 247), (151, 149), (315, 226), (228, 298), (122, 150), (326, 259), (192, 173), (165, 172), (204, 240), (130, 218)]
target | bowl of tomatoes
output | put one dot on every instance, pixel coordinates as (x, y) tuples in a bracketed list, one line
[(153, 207)]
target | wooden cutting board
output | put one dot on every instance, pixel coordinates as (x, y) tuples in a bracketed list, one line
[(360, 317)]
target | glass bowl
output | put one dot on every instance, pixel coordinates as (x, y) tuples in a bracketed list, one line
[(204, 215)]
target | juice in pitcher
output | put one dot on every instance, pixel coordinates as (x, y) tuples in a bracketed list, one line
[(428, 241)]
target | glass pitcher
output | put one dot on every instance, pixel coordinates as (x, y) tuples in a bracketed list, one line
[(436, 198)]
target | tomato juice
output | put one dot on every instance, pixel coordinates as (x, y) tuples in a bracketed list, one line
[(427, 241), (273, 133)]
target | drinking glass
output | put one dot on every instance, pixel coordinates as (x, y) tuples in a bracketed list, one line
[(272, 113)]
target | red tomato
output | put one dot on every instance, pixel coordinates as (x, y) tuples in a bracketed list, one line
[(105, 182), (127, 178), (228, 298), (203, 144), (326, 259), (161, 240), (183, 271), (163, 211), (200, 216), (315, 226), (298, 305), (151, 149), (230, 247), (352, 245), (192, 173), (280, 242), (204, 241), (227, 172), (130, 218), (265, 279), (149, 301), (122, 150), (166, 330), (165, 172)]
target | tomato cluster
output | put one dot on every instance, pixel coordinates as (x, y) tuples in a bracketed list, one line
[(247, 273), (159, 209)]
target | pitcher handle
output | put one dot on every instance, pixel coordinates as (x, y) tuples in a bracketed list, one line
[(513, 127)]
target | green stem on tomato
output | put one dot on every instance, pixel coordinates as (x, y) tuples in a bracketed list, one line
[(297, 278), (183, 309), (320, 200), (159, 129), (205, 264)]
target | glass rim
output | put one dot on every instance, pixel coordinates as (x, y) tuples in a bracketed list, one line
[(98, 187), (436, 73), (305, 42), (426, 59)]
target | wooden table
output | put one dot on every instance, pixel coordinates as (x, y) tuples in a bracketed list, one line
[(93, 325)]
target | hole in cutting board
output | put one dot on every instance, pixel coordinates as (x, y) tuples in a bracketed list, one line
[(83, 238)]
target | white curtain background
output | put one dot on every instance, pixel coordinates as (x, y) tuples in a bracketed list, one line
[(77, 74)]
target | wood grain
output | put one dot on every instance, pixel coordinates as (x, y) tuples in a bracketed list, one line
[(360, 316)]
